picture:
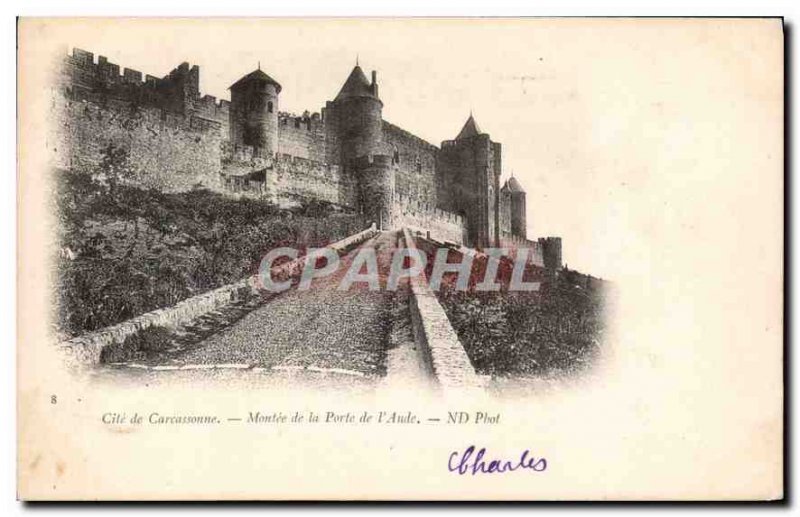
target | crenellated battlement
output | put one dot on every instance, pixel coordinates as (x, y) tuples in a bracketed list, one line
[(412, 213), (307, 121), (211, 101), (414, 206), (535, 248), (100, 71), (83, 77)]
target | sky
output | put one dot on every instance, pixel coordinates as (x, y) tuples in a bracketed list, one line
[(603, 122)]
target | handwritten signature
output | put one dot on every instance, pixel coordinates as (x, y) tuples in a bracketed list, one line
[(471, 462)]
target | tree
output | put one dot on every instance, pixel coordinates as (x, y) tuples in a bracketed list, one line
[(114, 168)]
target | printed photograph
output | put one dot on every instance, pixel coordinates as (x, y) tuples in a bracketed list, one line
[(360, 259), (240, 230)]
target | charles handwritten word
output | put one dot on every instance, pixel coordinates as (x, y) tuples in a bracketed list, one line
[(470, 462)]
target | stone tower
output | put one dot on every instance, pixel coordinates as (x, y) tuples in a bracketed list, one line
[(376, 179), (518, 209), (470, 183), (358, 111), (551, 251), (254, 113), (360, 120)]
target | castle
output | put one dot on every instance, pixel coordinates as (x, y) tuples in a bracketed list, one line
[(347, 155)]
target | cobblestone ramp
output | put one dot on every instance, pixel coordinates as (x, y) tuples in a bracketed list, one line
[(317, 330)]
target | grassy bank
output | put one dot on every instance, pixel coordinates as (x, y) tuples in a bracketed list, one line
[(555, 330), (125, 250)]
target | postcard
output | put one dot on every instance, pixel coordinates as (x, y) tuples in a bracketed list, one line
[(529, 259)]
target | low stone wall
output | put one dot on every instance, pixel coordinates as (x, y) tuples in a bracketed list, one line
[(435, 336), (415, 215), (87, 349), (536, 250)]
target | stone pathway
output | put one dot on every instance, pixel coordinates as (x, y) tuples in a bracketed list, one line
[(319, 331)]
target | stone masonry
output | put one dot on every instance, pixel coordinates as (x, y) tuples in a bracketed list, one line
[(346, 155)]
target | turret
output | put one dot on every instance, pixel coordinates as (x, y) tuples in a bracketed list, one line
[(551, 251), (518, 209), (359, 110), (254, 112), (376, 178), (471, 165)]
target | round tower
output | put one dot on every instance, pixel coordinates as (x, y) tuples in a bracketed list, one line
[(254, 113), (376, 179), (518, 209), (359, 111)]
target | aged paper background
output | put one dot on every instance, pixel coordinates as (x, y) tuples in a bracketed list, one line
[(673, 190)]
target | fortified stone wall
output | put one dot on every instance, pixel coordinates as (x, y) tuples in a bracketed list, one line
[(294, 180), (411, 213), (178, 139), (536, 249), (83, 78), (545, 252), (172, 134), (415, 160), (213, 111), (168, 151), (302, 136)]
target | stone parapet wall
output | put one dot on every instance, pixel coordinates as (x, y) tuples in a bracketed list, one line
[(411, 213), (433, 332), (536, 253)]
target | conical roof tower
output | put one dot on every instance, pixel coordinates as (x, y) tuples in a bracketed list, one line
[(470, 129)]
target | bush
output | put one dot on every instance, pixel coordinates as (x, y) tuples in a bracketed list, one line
[(553, 330), (556, 330), (142, 249)]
